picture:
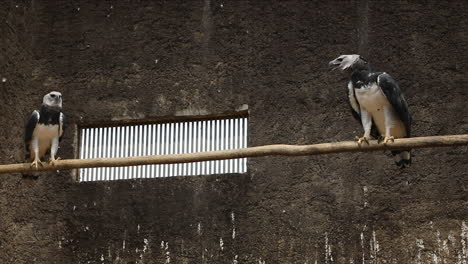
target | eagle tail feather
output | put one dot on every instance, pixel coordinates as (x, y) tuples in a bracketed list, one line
[(402, 158)]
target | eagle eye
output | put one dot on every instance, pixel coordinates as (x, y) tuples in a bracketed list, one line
[(52, 95)]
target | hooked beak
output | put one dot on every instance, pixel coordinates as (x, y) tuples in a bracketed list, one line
[(334, 64)]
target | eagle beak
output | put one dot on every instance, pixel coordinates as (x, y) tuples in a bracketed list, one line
[(332, 65)]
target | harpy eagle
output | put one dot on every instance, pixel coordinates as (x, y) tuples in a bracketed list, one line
[(44, 130), (378, 103)]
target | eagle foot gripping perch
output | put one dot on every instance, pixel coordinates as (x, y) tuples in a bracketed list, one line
[(53, 160), (35, 164), (362, 139)]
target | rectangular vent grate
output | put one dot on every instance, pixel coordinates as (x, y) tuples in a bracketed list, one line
[(162, 139)]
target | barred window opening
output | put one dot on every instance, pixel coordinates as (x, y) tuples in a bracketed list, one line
[(162, 139)]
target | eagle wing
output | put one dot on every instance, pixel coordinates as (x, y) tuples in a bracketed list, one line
[(393, 93), (356, 110), (61, 126), (29, 130)]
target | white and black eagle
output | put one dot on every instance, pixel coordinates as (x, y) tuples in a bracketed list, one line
[(44, 130), (378, 103)]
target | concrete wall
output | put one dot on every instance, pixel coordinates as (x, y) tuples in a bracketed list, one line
[(144, 59)]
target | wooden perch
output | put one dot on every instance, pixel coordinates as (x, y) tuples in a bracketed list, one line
[(261, 151)]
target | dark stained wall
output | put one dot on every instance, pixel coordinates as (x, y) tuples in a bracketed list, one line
[(119, 60)]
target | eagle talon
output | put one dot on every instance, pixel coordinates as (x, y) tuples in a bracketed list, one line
[(388, 139), (35, 164), (53, 160), (362, 139)]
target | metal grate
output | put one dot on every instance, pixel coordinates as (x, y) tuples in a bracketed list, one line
[(161, 139)]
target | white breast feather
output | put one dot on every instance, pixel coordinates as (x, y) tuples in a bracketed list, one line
[(44, 135), (373, 100)]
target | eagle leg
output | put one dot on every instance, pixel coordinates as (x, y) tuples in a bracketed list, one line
[(388, 139), (53, 151), (362, 139)]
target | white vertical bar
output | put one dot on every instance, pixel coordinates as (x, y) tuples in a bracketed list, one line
[(147, 148), (158, 148), (181, 146), (231, 142), (239, 138), (172, 148), (199, 129), (178, 141), (123, 150), (217, 127), (150, 149), (194, 146), (115, 142), (176, 147), (100, 147), (131, 145), (180, 133), (105, 148), (88, 153), (184, 147), (136, 150), (235, 146), (109, 150), (117, 151), (140, 149), (241, 145), (213, 144), (164, 148), (143, 149), (91, 152), (120, 150), (202, 145), (189, 146), (245, 139), (168, 148), (168, 145), (97, 152), (155, 148), (108, 145), (128, 152), (102, 151), (219, 146), (208, 145), (222, 140)]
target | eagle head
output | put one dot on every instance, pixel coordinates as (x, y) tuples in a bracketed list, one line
[(345, 62), (53, 99)]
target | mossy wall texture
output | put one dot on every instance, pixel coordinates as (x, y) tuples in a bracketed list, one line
[(119, 60)]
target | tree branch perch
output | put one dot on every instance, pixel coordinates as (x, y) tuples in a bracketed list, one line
[(261, 151)]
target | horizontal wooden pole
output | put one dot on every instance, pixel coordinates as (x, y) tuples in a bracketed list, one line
[(261, 151)]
